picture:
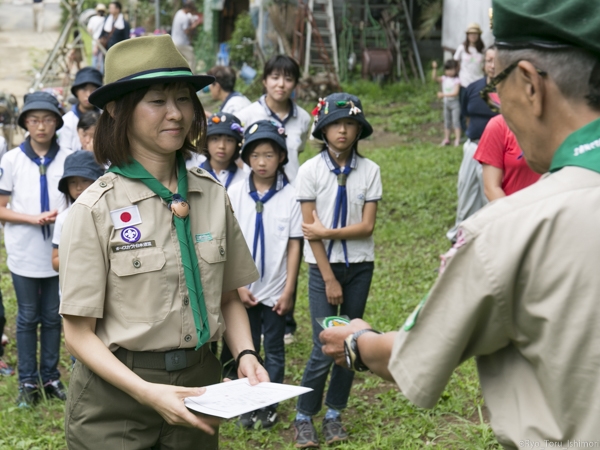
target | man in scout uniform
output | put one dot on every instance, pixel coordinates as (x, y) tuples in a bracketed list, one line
[(519, 290)]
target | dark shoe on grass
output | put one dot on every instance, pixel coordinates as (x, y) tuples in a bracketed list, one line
[(29, 395), (306, 435), (247, 420), (55, 389), (267, 416), (334, 431)]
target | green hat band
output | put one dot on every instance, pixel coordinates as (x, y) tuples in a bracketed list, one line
[(160, 73)]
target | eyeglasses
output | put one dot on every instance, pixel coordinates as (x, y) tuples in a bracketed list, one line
[(36, 122), (488, 93)]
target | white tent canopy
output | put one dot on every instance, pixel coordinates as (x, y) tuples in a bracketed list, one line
[(458, 14)]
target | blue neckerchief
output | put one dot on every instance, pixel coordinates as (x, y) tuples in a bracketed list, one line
[(259, 230), (293, 111), (340, 212), (42, 162), (229, 97), (75, 110), (232, 169)]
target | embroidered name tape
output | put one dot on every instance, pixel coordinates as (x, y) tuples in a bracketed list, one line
[(205, 237), (125, 217), (134, 246)]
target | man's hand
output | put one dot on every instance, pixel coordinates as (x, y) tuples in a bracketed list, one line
[(333, 339)]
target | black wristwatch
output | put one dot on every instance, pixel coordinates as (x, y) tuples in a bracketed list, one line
[(249, 352), (353, 359)]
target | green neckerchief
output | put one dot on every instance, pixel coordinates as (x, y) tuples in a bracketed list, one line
[(136, 171), (581, 149)]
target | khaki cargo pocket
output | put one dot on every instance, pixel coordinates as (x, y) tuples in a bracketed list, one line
[(212, 256), (140, 284)]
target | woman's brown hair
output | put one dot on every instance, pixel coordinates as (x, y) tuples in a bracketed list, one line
[(111, 144), (479, 45)]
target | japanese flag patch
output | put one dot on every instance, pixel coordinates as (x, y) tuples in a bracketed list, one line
[(125, 217)]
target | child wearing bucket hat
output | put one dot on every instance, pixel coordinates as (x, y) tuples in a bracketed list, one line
[(81, 170), (338, 191), (168, 259), (269, 215), (29, 176), (223, 143), (86, 81)]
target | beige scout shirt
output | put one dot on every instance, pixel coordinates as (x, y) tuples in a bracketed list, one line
[(139, 296), (523, 295)]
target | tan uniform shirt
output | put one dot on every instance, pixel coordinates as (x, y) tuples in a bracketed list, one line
[(522, 294), (139, 295)]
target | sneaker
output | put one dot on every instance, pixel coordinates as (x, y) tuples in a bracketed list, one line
[(55, 389), (248, 420), (267, 416), (5, 369), (4, 339), (334, 431), (29, 395), (306, 435), (288, 338)]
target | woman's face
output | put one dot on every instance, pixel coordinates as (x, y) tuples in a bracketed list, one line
[(161, 120), (473, 37), (488, 63), (279, 86)]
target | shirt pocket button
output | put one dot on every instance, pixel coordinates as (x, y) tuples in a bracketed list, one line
[(137, 263), (187, 338), (221, 250), (186, 301)]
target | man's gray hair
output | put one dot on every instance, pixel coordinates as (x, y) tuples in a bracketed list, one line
[(575, 71)]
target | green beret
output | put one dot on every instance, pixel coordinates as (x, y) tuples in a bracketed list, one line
[(547, 24)]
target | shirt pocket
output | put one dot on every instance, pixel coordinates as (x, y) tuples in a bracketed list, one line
[(357, 195), (282, 227), (212, 256), (141, 284)]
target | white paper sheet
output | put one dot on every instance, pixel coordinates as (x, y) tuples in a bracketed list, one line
[(237, 397)]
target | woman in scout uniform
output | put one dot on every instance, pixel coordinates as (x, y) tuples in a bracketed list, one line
[(341, 188), (149, 278)]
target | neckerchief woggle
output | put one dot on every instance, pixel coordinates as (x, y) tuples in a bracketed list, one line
[(340, 212), (580, 149), (189, 260), (42, 162), (259, 229), (232, 169)]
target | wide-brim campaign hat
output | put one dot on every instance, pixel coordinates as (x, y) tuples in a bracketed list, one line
[(87, 75), (264, 130), (338, 106), (141, 62), (40, 101), (227, 124), (546, 24), (79, 164), (474, 28)]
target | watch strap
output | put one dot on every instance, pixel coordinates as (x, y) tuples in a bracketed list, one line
[(351, 352)]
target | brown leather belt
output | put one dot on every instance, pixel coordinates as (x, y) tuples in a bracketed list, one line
[(170, 361)]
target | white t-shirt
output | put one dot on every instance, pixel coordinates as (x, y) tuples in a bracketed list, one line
[(58, 225), (471, 65), (94, 26), (223, 176), (296, 125), (195, 161), (235, 103), (181, 22), (282, 221), (29, 254), (448, 84), (317, 183), (68, 139), (3, 147)]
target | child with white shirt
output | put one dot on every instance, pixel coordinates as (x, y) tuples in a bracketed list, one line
[(338, 190), (29, 176), (269, 215), (224, 138)]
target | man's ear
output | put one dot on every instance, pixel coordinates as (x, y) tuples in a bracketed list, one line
[(110, 108), (533, 86)]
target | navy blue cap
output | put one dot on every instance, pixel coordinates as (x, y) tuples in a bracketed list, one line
[(225, 123), (338, 106), (40, 101), (261, 130), (85, 76), (80, 164)]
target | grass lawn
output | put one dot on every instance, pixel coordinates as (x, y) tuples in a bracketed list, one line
[(419, 181)]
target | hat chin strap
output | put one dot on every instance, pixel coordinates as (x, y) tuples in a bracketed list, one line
[(338, 154)]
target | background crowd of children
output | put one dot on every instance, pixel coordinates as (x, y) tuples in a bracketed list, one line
[(325, 209)]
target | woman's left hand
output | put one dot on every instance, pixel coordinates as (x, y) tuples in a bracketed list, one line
[(251, 368), (314, 231)]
